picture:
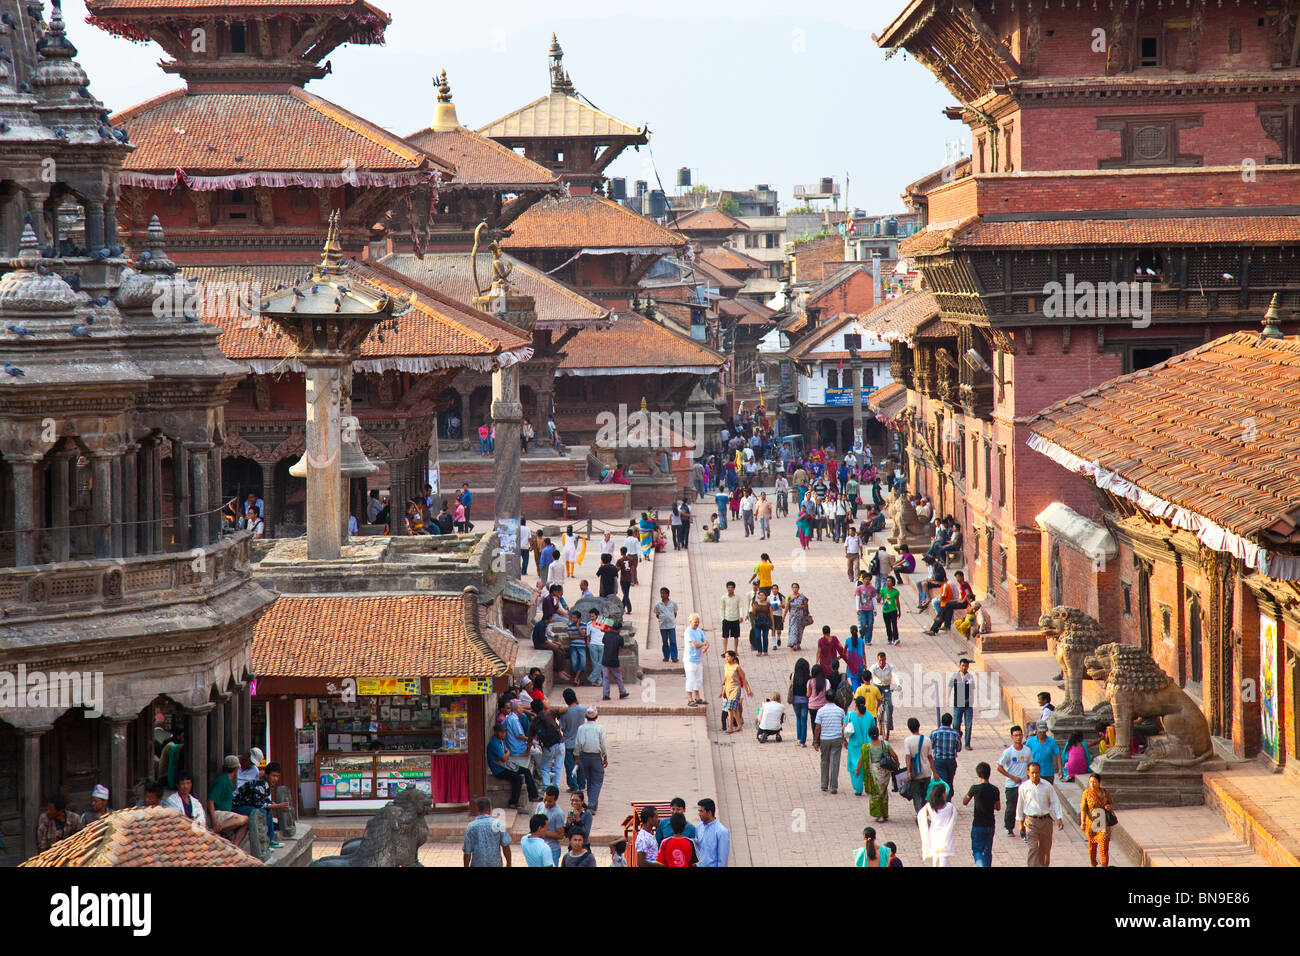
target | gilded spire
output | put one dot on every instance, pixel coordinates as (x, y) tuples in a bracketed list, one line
[(444, 113), (560, 82), (1271, 328), (332, 260)]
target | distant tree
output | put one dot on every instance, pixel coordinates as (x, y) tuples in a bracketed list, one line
[(729, 206), (699, 189)]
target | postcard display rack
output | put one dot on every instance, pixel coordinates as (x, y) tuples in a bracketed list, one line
[(375, 747)]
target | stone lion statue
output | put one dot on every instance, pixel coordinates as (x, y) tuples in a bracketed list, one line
[(393, 835), (907, 527), (1077, 635), (1137, 687)]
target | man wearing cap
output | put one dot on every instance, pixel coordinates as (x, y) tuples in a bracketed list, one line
[(220, 796), (98, 804), (250, 762), (589, 748)]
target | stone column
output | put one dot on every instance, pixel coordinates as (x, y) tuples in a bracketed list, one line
[(110, 222), (196, 742), (153, 479), (25, 550), (217, 731), (94, 226), (130, 503), (181, 495), (545, 399), (200, 527), (59, 505), (268, 497), (101, 505), (397, 496), (115, 534), (245, 716), (119, 756), (324, 462), (857, 404), (32, 796), (508, 416), (230, 719), (144, 742), (214, 493)]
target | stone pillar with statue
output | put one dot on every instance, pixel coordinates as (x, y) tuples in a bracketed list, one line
[(328, 316), (500, 300)]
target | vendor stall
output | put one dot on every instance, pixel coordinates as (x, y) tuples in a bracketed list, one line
[(358, 739)]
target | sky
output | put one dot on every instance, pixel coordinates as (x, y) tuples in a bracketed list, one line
[(741, 93)]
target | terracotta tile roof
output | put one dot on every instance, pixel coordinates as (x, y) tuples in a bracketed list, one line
[(438, 331), (401, 635), (795, 323), (481, 161), (805, 350), (221, 134), (835, 280), (587, 222), (888, 400), (108, 6), (709, 220), (897, 320), (144, 836), (1198, 230), (1215, 431), (730, 260), (711, 275), (635, 344), (560, 115), (558, 306)]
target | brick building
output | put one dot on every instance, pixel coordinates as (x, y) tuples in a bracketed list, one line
[(1194, 553), (1143, 203)]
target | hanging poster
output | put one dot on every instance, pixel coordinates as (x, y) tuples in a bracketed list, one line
[(460, 685), (377, 686), (1268, 684)]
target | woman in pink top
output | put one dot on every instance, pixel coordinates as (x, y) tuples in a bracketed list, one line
[(461, 524), (818, 688), (1077, 758)]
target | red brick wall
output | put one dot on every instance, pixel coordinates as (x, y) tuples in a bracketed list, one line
[(1092, 189), (1060, 137), (854, 295), (811, 256), (1246, 713), (1090, 585)]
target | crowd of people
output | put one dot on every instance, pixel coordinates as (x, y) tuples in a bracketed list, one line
[(246, 787)]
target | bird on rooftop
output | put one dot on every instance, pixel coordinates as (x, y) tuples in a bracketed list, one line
[(74, 280), (24, 87), (101, 301), (84, 93), (90, 320), (60, 132), (13, 370), (299, 294), (80, 332), (8, 18), (4, 127), (20, 330), (146, 256)]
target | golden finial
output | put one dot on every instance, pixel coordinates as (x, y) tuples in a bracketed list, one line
[(332, 259), (444, 90), (1271, 328), (643, 405)]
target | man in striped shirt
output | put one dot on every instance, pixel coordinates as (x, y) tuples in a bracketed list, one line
[(828, 740), (945, 745)]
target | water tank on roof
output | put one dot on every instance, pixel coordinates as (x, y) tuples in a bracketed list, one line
[(684, 176), (618, 188), (641, 187), (762, 188), (658, 203), (828, 184), (891, 227)]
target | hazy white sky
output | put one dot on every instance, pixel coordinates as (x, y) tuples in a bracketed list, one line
[(742, 93)]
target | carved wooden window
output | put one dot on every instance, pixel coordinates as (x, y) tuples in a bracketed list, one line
[(1234, 39), (1002, 474), (961, 454), (1149, 50), (974, 462), (1195, 663), (1002, 552), (1143, 570), (1149, 140), (981, 144), (832, 378), (1126, 590), (988, 469), (238, 38)]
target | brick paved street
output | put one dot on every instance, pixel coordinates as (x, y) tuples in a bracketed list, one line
[(770, 794)]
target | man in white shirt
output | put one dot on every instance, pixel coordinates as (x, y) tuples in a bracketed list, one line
[(1036, 806), (782, 496), (747, 512), (607, 545), (920, 762), (853, 553), (1014, 765), (882, 676)]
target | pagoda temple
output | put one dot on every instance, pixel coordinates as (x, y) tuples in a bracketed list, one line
[(1105, 222), (113, 580)]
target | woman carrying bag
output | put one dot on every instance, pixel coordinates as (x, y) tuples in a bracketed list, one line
[(882, 764)]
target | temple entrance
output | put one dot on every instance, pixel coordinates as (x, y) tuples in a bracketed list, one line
[(451, 417)]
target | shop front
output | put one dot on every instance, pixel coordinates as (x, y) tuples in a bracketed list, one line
[(353, 738)]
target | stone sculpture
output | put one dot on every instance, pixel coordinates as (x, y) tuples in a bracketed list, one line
[(393, 836), (1137, 687), (1077, 635)]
